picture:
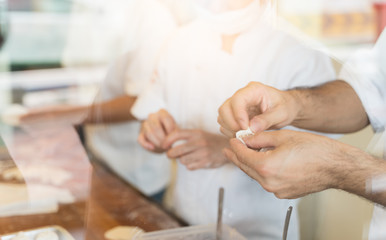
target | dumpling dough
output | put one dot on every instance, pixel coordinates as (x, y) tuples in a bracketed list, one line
[(244, 133), (21, 236), (123, 233), (48, 235), (11, 115), (13, 173)]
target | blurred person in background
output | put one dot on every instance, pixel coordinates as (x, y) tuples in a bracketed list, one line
[(302, 163), (232, 44), (139, 28)]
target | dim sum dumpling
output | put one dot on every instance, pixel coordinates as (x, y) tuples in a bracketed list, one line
[(123, 233)]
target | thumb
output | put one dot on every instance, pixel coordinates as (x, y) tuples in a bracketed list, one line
[(263, 140), (174, 136), (272, 118)]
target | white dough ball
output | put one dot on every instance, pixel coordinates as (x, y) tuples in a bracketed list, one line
[(123, 233), (244, 133), (11, 115)]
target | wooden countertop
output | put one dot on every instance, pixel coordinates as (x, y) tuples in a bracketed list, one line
[(110, 202)]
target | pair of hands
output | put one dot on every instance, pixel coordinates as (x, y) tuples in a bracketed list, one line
[(196, 149), (297, 163)]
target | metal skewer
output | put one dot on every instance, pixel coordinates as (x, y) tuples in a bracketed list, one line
[(219, 214), (286, 223)]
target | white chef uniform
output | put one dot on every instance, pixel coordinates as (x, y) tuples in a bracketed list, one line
[(366, 73), (116, 144), (195, 76)]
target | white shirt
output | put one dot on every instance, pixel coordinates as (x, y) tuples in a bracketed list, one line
[(116, 144), (366, 73), (195, 77)]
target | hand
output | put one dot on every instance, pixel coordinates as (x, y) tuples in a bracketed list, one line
[(259, 107), (155, 129), (298, 164), (199, 149)]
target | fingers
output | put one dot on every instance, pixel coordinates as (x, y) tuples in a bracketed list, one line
[(199, 160), (157, 126), (226, 119), (270, 139), (181, 150), (239, 107), (153, 131), (245, 155), (144, 143), (175, 136), (246, 103), (245, 168), (191, 144), (167, 121), (272, 118)]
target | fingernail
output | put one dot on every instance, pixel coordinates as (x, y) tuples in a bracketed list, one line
[(255, 128)]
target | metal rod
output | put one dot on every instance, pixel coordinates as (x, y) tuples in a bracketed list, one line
[(219, 213), (286, 223)]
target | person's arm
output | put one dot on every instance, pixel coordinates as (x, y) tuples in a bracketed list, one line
[(111, 111), (300, 163), (332, 107)]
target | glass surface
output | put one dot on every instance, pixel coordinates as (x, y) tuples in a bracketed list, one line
[(69, 155)]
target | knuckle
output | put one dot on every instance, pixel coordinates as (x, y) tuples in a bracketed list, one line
[(269, 188), (163, 112), (192, 167), (250, 84), (264, 171), (279, 195)]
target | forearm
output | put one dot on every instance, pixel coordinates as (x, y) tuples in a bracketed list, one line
[(113, 111), (360, 173), (333, 107)]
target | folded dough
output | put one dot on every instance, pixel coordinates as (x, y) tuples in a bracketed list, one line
[(244, 133), (123, 233)]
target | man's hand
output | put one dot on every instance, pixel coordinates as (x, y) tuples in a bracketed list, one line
[(199, 149), (155, 129), (298, 164), (259, 107)]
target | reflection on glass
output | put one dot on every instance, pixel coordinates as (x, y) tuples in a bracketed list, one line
[(3, 22)]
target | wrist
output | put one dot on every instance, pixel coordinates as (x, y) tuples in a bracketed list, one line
[(351, 169), (295, 106)]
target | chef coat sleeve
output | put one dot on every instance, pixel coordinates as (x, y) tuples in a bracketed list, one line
[(307, 67), (366, 73), (149, 101)]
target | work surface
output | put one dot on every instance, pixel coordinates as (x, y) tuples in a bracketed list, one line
[(102, 200)]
